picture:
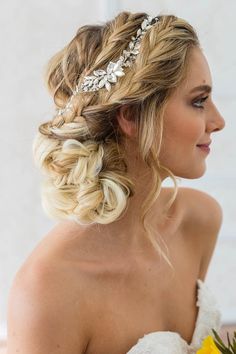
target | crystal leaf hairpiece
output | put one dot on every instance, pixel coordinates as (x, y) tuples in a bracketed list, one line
[(104, 78)]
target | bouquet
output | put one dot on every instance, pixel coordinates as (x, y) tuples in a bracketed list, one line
[(215, 345)]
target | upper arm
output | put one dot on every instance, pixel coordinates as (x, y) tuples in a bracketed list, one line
[(213, 225), (42, 317), (204, 217)]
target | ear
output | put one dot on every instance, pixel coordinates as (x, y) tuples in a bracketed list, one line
[(126, 121)]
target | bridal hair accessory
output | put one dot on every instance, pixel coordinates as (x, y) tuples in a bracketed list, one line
[(104, 78)]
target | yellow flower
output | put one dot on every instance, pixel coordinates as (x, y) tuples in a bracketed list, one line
[(208, 347)]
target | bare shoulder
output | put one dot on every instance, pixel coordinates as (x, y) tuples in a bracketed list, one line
[(45, 313), (200, 206), (201, 224)]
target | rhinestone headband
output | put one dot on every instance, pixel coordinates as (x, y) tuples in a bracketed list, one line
[(104, 78)]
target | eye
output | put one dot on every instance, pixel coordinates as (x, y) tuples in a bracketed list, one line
[(200, 100)]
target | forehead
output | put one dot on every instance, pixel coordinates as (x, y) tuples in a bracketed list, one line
[(198, 71)]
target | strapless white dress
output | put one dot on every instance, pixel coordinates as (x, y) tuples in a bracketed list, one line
[(165, 342)]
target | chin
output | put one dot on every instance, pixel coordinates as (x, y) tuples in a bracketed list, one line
[(187, 169), (193, 174)]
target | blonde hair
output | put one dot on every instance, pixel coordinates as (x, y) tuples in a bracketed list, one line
[(83, 158)]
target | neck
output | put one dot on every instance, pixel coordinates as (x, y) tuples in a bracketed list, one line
[(128, 230)]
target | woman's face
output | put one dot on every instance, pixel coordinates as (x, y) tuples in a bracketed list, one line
[(189, 120)]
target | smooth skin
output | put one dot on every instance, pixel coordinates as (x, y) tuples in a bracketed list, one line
[(100, 288)]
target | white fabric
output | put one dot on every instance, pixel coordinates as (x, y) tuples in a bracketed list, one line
[(166, 342)]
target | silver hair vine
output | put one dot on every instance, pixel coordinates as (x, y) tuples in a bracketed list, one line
[(104, 78)]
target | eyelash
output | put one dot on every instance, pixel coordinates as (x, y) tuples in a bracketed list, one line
[(200, 100)]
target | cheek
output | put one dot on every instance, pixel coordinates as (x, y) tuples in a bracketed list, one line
[(181, 135), (189, 132)]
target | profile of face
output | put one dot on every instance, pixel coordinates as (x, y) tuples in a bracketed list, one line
[(189, 120)]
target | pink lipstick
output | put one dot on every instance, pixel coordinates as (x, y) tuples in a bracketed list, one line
[(204, 148)]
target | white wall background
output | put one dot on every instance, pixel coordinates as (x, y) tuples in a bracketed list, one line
[(31, 32)]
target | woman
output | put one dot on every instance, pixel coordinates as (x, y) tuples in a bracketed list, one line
[(134, 107)]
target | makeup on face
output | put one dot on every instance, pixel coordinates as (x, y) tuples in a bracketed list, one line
[(204, 88), (204, 148)]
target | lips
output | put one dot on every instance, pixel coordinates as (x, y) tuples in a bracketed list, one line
[(204, 147), (205, 144)]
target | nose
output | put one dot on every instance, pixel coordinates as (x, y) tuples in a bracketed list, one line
[(216, 121)]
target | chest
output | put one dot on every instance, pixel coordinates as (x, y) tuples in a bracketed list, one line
[(147, 297)]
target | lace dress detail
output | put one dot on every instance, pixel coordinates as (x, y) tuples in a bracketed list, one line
[(166, 342)]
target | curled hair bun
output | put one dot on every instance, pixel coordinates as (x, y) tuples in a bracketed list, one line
[(84, 181)]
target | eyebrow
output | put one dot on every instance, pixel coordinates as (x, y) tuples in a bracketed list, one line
[(205, 88)]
